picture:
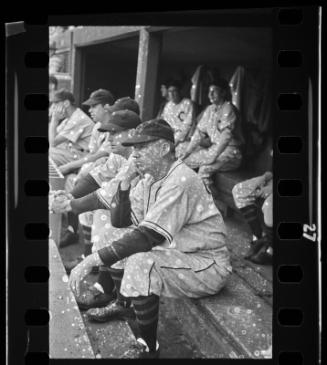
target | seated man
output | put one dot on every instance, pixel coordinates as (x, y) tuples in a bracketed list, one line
[(90, 195), (98, 103), (97, 148), (215, 144), (179, 113), (177, 248), (250, 196), (53, 86), (98, 172), (68, 141)]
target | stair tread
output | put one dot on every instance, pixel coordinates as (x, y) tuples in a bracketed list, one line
[(241, 314)]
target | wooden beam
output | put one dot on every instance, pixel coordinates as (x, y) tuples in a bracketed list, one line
[(147, 71), (87, 36), (78, 69)]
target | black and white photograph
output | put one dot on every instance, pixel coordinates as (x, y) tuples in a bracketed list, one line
[(161, 191)]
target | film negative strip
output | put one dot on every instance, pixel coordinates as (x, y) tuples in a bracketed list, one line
[(267, 312)]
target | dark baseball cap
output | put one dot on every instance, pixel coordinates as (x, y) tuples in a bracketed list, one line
[(149, 131), (62, 95), (100, 96), (125, 103), (120, 120)]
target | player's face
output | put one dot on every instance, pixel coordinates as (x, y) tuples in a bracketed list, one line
[(147, 156), (97, 112), (215, 94), (164, 91), (174, 94), (116, 138)]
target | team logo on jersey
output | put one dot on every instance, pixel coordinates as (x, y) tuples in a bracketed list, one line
[(181, 116)]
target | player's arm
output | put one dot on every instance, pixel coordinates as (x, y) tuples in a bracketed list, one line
[(84, 186), (74, 165), (86, 203), (141, 239)]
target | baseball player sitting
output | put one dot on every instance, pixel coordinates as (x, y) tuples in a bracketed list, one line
[(216, 142), (177, 246), (91, 177), (98, 151), (91, 195), (70, 138), (254, 198)]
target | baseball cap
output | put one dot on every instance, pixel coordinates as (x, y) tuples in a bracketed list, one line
[(151, 130), (62, 95), (100, 96), (125, 103), (120, 121)]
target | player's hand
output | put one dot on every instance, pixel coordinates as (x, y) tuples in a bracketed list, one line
[(81, 270), (60, 204), (129, 174), (58, 113), (57, 193)]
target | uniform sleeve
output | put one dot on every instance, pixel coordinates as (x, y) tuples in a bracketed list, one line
[(84, 186), (137, 203), (170, 211), (228, 118), (74, 128), (87, 203), (203, 120), (224, 130), (187, 123), (93, 144), (199, 130), (141, 239)]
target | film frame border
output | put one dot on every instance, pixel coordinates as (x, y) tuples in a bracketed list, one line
[(24, 165)]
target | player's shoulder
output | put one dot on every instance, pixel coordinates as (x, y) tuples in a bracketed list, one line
[(187, 102), (228, 107), (181, 175), (82, 116)]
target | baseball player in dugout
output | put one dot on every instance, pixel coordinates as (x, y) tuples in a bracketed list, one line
[(176, 243), (70, 129), (121, 118), (99, 149)]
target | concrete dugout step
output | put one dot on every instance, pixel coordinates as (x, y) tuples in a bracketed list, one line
[(70, 335), (67, 334), (232, 324)]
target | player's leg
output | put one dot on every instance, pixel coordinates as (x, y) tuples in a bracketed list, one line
[(265, 254)]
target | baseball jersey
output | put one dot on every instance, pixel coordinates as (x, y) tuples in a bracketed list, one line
[(218, 123), (77, 129), (178, 207), (180, 117)]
